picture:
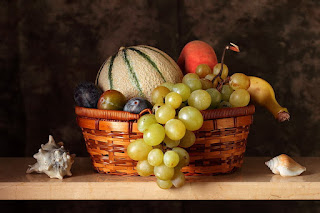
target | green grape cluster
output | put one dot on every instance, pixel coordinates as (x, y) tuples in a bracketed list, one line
[(224, 91), (168, 132), (176, 115)]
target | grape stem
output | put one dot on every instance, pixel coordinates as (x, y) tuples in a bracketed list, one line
[(221, 83), (232, 47)]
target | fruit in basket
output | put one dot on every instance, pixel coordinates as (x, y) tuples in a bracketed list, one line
[(224, 104), (112, 100), (171, 143), (156, 107), (183, 90), (206, 84), (203, 70), (184, 157), (135, 71), (175, 129), (154, 135), (226, 91), (173, 99), (216, 97), (164, 184), (178, 179), (169, 85), (195, 53), (239, 98), (239, 81), (146, 121), (144, 168), (171, 159), (262, 93), (138, 150), (188, 139), (158, 94), (136, 105), (165, 113), (155, 157), (224, 73), (192, 81), (87, 94), (163, 172), (200, 99), (191, 117)]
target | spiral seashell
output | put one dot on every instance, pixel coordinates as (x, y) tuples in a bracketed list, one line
[(53, 160), (285, 166)]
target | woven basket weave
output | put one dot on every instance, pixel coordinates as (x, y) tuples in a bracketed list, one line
[(219, 147)]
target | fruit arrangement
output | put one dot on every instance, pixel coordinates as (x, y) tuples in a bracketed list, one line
[(174, 102)]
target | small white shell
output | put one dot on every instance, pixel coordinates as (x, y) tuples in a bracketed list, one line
[(285, 166), (53, 160)]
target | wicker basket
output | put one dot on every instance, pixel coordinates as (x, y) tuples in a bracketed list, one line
[(219, 147)]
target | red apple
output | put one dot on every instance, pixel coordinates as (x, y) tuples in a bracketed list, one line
[(195, 53)]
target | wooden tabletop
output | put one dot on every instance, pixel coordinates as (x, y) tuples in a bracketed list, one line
[(253, 181)]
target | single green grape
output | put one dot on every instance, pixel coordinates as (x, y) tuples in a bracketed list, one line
[(239, 81), (202, 70), (144, 168), (165, 113), (158, 94), (164, 184), (193, 84), (170, 159), (224, 104), (173, 99), (169, 85), (138, 150), (145, 121), (200, 99), (171, 143), (178, 178), (175, 129), (225, 71), (188, 140), (154, 135), (191, 117), (155, 157), (240, 98), (183, 90), (163, 172), (192, 80), (190, 76), (216, 97), (184, 157), (206, 84), (226, 91)]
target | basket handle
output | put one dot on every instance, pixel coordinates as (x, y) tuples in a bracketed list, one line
[(145, 110)]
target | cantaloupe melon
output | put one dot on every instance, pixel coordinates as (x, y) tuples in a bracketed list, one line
[(135, 71)]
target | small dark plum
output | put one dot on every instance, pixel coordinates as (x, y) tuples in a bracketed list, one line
[(136, 105), (87, 95)]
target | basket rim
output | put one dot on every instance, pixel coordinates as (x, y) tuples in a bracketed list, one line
[(127, 116)]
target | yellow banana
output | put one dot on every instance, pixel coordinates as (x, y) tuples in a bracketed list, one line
[(262, 93)]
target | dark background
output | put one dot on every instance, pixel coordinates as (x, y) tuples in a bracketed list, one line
[(48, 47)]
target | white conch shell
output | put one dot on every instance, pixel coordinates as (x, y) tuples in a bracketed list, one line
[(285, 166), (53, 160)]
